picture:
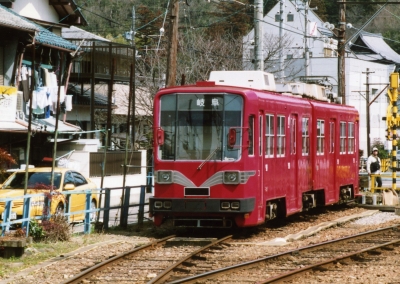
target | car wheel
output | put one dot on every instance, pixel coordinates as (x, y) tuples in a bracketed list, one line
[(93, 215)]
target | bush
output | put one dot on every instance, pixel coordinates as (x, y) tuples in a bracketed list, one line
[(52, 230), (56, 229), (36, 230)]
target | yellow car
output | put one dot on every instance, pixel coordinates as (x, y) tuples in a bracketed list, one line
[(39, 181)]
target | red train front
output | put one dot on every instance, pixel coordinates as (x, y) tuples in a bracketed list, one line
[(229, 155)]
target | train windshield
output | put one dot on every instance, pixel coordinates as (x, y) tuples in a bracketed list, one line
[(196, 126)]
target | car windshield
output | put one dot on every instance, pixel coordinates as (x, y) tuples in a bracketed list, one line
[(36, 180)]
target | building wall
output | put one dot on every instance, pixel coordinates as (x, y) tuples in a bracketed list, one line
[(294, 30), (36, 9), (356, 89)]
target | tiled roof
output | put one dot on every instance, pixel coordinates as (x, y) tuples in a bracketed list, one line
[(374, 48), (38, 125), (76, 33), (99, 99), (9, 18), (46, 37)]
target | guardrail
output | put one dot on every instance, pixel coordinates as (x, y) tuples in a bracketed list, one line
[(124, 206), (368, 182)]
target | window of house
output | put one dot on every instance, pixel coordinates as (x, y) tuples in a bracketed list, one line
[(320, 136), (289, 56), (277, 17), (305, 136), (280, 136), (290, 17), (269, 135), (342, 137)]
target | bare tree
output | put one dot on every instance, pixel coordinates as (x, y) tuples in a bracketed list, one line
[(273, 48)]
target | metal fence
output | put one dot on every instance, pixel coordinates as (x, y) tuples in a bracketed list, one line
[(122, 210)]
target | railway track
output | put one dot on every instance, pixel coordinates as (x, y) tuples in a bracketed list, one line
[(292, 264), (156, 263), (135, 263)]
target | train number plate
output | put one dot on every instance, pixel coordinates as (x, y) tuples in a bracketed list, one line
[(197, 191)]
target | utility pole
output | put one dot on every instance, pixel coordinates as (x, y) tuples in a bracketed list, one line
[(172, 44), (342, 53), (281, 26), (258, 35), (306, 36), (306, 48), (367, 110)]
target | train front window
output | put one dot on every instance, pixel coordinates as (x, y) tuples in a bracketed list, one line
[(197, 125)]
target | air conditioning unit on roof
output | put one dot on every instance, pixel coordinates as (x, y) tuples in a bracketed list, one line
[(250, 79)]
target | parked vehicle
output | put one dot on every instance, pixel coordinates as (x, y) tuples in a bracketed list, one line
[(39, 181), (227, 154)]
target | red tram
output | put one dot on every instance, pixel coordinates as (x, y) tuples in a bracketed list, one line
[(228, 155)]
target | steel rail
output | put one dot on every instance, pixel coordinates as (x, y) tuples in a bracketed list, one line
[(166, 273), (102, 265), (295, 273), (248, 264)]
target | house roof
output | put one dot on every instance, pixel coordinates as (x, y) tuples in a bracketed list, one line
[(100, 100), (372, 47), (69, 12), (43, 35), (74, 33), (9, 18), (48, 38), (38, 125)]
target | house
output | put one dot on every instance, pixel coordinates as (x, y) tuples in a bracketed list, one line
[(315, 60), (103, 51), (28, 48)]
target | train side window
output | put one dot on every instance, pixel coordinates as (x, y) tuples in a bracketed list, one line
[(280, 136), (260, 137), (305, 136), (269, 135), (343, 137), (320, 136), (251, 135), (351, 138), (293, 132), (332, 137)]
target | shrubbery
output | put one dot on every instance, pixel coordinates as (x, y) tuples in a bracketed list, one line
[(55, 229)]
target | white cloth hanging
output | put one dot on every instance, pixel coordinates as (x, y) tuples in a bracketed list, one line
[(68, 103)]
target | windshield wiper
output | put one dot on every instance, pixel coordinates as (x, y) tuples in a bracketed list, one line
[(208, 158)]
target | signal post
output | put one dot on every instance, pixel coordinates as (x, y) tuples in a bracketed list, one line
[(393, 121)]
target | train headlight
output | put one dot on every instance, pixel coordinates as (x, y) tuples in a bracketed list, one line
[(167, 204), (162, 204), (164, 177), (235, 205), (158, 204), (225, 205), (231, 177)]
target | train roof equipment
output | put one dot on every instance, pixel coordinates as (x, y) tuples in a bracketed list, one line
[(265, 81)]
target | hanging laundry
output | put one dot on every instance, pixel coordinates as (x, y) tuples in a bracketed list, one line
[(68, 103), (24, 81)]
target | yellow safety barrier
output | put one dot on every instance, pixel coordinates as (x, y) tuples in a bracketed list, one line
[(388, 177), (385, 164)]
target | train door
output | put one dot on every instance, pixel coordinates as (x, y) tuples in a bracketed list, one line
[(330, 191), (260, 163), (292, 163)]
